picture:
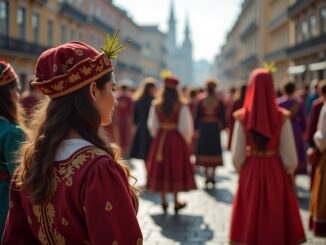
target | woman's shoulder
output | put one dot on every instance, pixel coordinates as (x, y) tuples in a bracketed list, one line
[(10, 130)]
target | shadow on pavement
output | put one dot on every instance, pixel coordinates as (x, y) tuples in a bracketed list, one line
[(220, 194), (303, 196), (150, 196), (183, 228)]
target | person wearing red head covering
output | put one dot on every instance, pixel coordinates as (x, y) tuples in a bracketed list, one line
[(71, 187), (265, 209), (11, 133), (168, 165)]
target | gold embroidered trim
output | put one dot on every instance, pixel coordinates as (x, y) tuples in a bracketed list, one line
[(108, 206)]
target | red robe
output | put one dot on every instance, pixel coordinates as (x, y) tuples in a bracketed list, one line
[(91, 204), (123, 121)]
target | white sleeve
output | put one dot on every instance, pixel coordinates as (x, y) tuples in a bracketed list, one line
[(238, 146), (152, 122), (287, 148), (185, 123), (320, 135)]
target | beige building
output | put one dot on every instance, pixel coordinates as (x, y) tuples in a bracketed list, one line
[(154, 51), (279, 38), (308, 42), (27, 28), (246, 44), (290, 33)]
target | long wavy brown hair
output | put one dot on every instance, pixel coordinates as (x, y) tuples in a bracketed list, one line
[(168, 99), (51, 124), (10, 109)]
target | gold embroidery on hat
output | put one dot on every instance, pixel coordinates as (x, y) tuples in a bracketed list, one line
[(74, 77), (54, 68), (59, 86), (64, 221), (108, 206), (115, 243), (79, 52), (85, 70)]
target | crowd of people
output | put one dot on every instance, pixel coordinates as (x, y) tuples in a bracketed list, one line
[(66, 141)]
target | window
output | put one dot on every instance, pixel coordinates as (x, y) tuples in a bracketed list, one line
[(297, 32), (21, 17), (4, 17), (36, 27), (313, 30), (304, 30), (323, 20), (50, 32), (63, 33)]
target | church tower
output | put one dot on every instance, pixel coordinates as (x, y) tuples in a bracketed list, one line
[(171, 40), (187, 53)]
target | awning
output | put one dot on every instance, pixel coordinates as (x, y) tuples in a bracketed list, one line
[(296, 70), (317, 66)]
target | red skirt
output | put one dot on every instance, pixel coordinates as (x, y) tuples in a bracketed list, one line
[(168, 166), (265, 209)]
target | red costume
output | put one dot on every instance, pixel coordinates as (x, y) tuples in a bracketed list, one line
[(91, 201), (123, 121), (265, 209), (168, 166), (90, 204)]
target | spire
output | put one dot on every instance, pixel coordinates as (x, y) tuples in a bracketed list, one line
[(187, 28), (172, 11)]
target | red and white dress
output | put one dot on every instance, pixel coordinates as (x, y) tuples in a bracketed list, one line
[(168, 167)]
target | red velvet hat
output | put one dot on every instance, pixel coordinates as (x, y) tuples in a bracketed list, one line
[(69, 67), (171, 81), (7, 73)]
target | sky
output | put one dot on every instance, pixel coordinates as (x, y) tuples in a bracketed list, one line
[(210, 20)]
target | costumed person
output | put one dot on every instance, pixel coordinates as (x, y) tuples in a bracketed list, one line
[(265, 209), (30, 99), (143, 98), (123, 118), (312, 151), (11, 133), (298, 121), (313, 95), (209, 122), (71, 187), (168, 166), (238, 103), (318, 194)]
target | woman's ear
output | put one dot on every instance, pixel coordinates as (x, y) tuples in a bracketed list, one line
[(92, 91)]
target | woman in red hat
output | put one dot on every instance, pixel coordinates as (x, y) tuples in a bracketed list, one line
[(168, 166), (265, 209), (71, 187), (11, 133)]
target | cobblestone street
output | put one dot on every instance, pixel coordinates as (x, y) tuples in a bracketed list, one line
[(206, 219)]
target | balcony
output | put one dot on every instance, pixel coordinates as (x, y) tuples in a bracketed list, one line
[(298, 7), (16, 45), (70, 11), (250, 61), (278, 54), (133, 43), (100, 24), (278, 21), (132, 68), (308, 46), (253, 26), (230, 53), (39, 2)]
